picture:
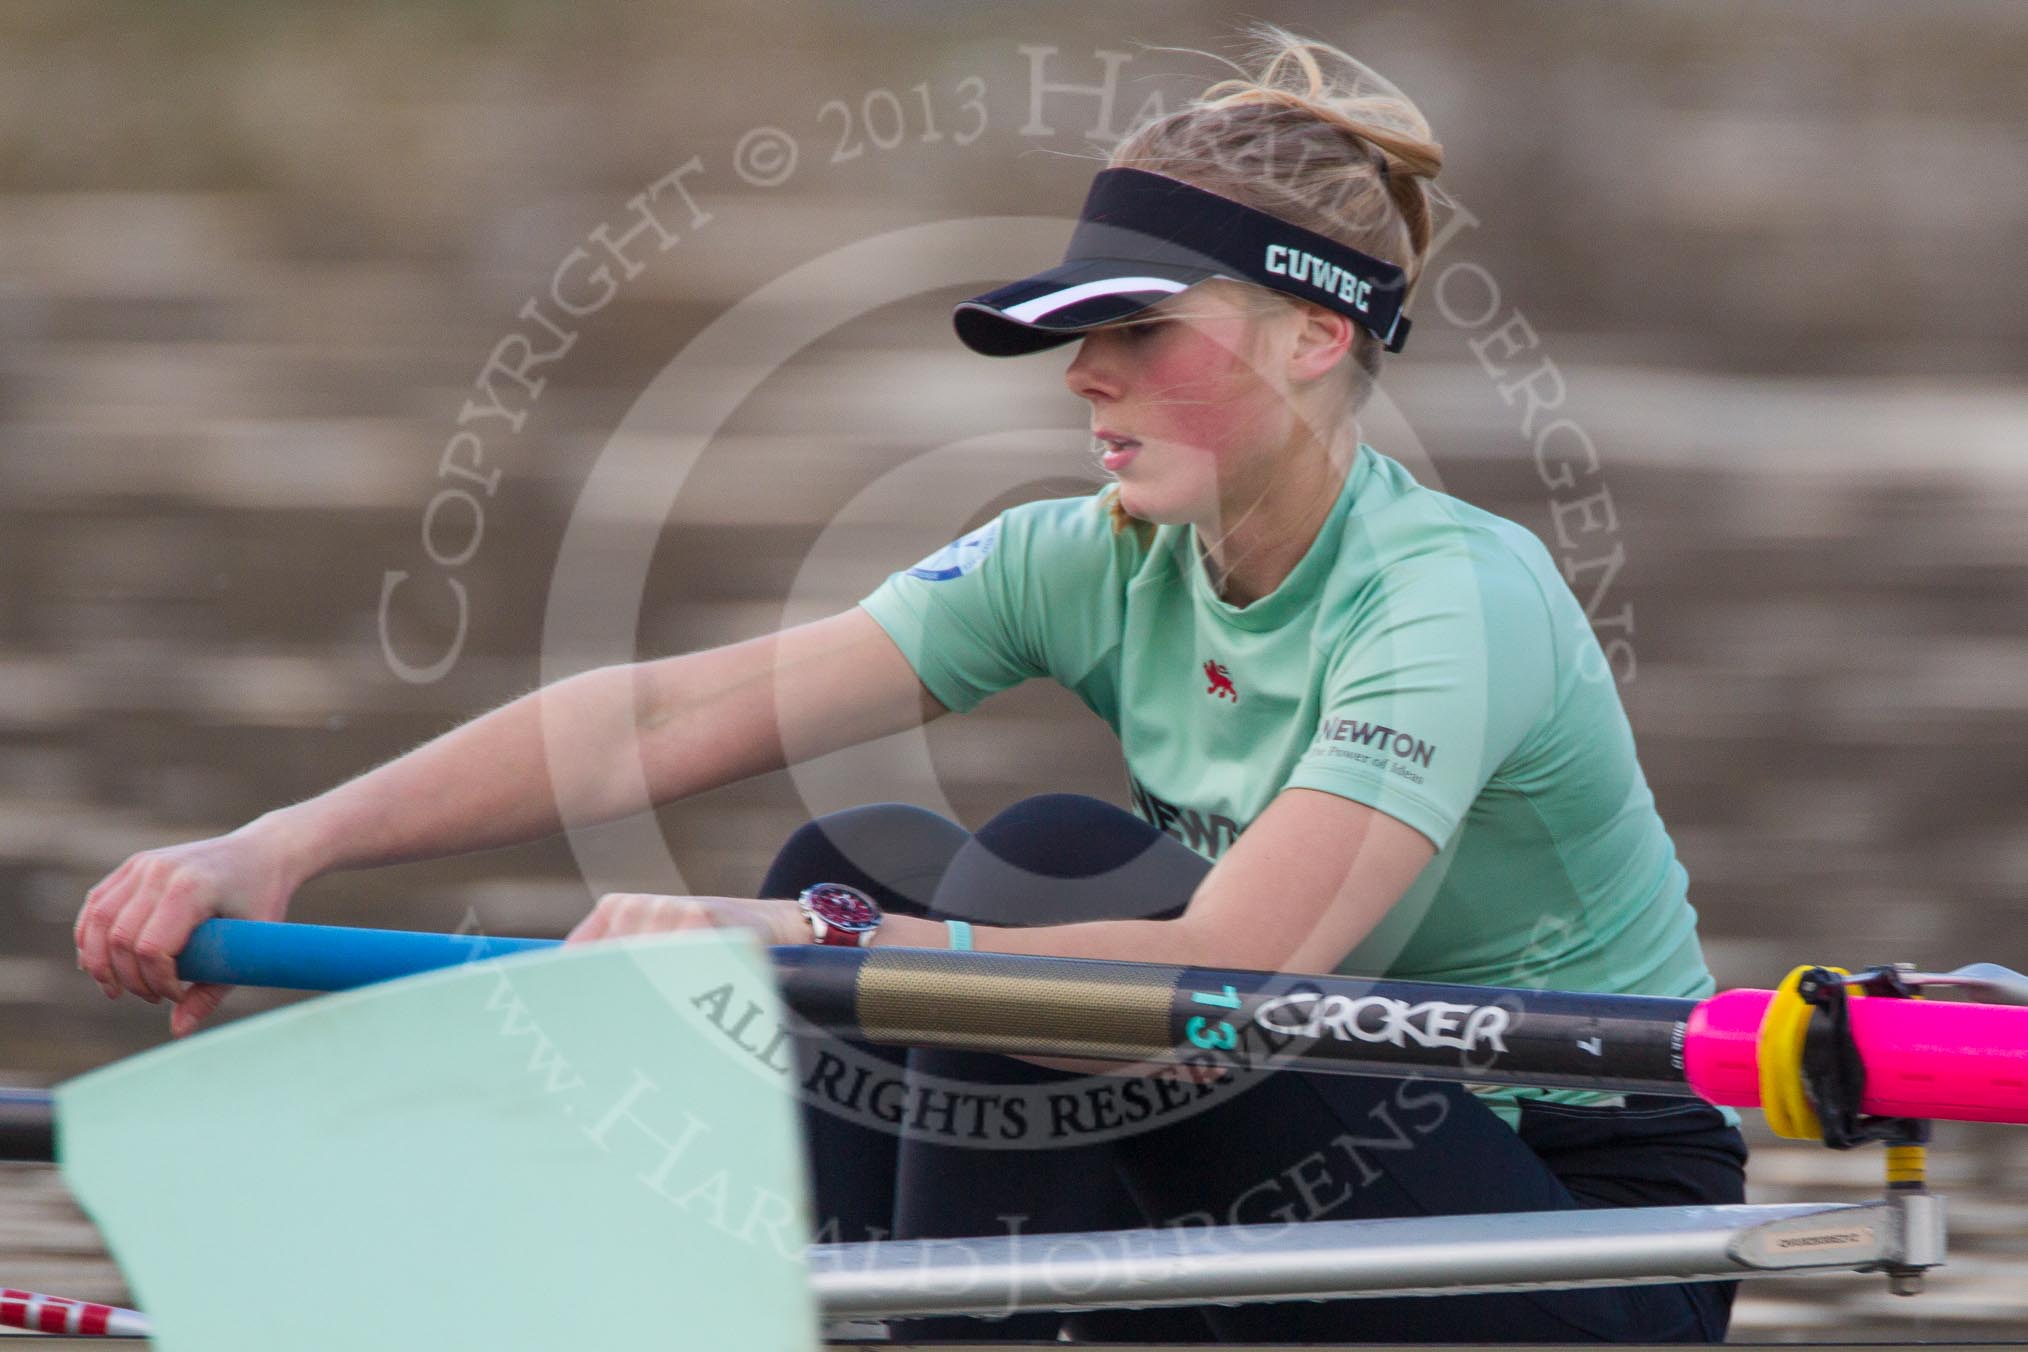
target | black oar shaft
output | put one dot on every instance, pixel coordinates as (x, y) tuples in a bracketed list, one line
[(1085, 1009), (1070, 1007), (1077, 1007)]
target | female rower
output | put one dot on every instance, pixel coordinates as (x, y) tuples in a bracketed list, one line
[(1367, 728)]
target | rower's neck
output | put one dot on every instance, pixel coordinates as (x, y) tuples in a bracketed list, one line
[(1273, 527)]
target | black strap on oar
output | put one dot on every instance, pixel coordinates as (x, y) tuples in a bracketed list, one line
[(1834, 1075), (1833, 1070)]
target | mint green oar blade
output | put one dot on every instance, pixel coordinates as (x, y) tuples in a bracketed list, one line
[(546, 1151)]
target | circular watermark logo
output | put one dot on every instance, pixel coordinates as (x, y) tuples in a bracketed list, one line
[(918, 506)]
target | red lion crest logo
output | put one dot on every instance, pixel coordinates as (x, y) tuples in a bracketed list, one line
[(1221, 682)]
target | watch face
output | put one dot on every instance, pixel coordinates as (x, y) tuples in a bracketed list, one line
[(842, 907)]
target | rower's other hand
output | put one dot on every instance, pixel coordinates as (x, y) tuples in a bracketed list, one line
[(620, 915), (137, 919)]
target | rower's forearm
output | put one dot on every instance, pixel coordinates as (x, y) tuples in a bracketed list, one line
[(1175, 941), (518, 773)]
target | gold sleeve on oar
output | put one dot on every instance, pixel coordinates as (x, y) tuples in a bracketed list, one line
[(1002, 1003)]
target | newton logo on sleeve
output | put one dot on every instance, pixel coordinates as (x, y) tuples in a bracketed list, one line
[(960, 556)]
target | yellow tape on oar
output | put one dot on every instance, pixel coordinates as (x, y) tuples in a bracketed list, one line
[(1906, 1165), (1783, 1096)]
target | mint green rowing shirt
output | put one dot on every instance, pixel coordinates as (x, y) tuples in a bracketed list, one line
[(1424, 657)]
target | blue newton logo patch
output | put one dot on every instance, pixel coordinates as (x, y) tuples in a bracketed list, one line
[(959, 556)]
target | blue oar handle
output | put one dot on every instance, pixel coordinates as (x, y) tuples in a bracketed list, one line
[(328, 957)]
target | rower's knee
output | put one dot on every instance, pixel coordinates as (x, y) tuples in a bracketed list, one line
[(895, 851)]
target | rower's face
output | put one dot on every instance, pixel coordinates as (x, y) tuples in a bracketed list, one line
[(1204, 419)]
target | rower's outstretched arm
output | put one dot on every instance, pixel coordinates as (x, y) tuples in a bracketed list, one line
[(590, 748), (617, 740)]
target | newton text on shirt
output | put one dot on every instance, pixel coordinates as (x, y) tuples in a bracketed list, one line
[(1378, 736)]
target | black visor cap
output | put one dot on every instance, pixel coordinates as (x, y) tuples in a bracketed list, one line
[(1144, 237)]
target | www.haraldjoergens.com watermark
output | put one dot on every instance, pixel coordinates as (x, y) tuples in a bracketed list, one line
[(1340, 1177)]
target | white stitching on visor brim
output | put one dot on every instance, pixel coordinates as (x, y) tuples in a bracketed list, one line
[(1028, 311)]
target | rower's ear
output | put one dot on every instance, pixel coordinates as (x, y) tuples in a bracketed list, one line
[(1323, 337)]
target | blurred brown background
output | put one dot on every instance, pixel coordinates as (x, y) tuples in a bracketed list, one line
[(254, 259)]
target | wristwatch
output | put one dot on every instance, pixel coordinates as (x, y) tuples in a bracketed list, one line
[(839, 914)]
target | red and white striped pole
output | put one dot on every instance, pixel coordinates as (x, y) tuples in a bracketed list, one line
[(54, 1314)]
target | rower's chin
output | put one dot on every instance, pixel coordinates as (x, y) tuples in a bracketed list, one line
[(1145, 502)]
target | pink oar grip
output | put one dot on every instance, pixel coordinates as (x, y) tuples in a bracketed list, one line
[(1924, 1058)]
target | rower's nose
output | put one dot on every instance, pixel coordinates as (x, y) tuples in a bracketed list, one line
[(1094, 372)]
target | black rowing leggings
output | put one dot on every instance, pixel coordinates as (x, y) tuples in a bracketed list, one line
[(935, 1144)]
